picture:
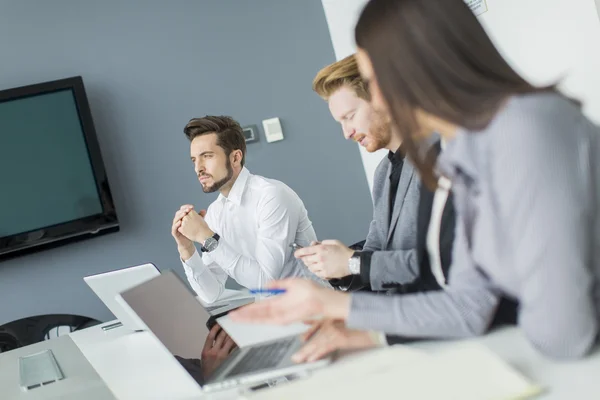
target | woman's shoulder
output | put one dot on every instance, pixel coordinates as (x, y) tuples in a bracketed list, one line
[(540, 111), (529, 120)]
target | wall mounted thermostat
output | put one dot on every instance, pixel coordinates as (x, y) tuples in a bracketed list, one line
[(273, 131), (250, 133)]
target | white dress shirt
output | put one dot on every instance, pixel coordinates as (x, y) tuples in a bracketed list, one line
[(257, 223)]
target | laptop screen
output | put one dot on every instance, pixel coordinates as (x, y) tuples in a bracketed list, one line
[(174, 315), (108, 284)]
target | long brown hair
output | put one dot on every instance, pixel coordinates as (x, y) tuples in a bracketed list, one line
[(435, 56)]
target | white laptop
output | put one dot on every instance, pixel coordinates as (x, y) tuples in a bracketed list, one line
[(222, 307), (174, 316), (108, 285)]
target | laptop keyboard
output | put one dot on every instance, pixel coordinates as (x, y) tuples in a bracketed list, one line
[(266, 356)]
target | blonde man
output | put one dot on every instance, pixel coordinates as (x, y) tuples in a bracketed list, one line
[(389, 254)]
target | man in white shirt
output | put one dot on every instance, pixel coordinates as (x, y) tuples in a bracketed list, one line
[(248, 231)]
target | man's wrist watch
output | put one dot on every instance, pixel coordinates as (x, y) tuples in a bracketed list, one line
[(354, 263), (210, 244)]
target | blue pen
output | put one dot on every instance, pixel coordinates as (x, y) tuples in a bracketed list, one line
[(267, 291)]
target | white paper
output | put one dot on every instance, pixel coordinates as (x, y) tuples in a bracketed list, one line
[(477, 6), (245, 335)]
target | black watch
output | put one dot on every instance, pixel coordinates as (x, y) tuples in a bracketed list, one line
[(210, 244)]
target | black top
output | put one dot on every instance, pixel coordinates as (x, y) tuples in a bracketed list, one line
[(397, 160)]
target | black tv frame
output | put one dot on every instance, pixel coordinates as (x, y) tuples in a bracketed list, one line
[(79, 229)]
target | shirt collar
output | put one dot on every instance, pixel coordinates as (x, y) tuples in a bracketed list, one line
[(238, 188), (459, 155), (396, 157)]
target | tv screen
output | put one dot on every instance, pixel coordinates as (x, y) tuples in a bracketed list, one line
[(53, 183)]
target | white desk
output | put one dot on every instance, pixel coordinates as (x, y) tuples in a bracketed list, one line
[(563, 380), (136, 366)]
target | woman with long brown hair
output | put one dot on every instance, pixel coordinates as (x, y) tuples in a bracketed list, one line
[(525, 170)]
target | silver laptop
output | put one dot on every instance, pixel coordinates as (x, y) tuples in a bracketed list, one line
[(172, 313), (108, 285), (223, 307)]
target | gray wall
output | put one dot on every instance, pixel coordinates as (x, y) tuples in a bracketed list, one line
[(149, 67)]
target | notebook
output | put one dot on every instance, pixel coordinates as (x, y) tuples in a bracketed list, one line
[(467, 371)]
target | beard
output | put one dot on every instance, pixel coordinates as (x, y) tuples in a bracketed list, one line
[(220, 183), (380, 132)]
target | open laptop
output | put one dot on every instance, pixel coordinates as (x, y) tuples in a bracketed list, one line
[(221, 308), (174, 316), (108, 285)]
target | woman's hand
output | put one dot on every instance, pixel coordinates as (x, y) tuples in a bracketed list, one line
[(327, 336), (303, 300)]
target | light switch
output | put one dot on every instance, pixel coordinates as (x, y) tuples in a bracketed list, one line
[(273, 131), (250, 133)]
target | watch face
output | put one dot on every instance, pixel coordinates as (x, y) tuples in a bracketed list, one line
[(354, 265), (210, 244)]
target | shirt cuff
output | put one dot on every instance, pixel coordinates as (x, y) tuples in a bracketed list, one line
[(365, 266), (195, 262), (379, 338), (369, 311), (224, 255)]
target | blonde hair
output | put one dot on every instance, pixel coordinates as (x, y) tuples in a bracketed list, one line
[(341, 73)]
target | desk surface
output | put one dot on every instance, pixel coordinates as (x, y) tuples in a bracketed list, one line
[(145, 370), (80, 379), (563, 380), (136, 366)]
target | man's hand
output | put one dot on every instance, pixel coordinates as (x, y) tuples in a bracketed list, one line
[(194, 227), (327, 336), (302, 300), (216, 349), (327, 260), (184, 245)]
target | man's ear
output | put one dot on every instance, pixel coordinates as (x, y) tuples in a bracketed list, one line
[(236, 157)]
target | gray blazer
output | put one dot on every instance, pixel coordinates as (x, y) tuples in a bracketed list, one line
[(394, 244)]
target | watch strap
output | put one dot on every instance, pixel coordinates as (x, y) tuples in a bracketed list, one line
[(365, 266)]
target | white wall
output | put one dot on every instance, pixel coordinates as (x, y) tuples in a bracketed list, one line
[(544, 40), (341, 17)]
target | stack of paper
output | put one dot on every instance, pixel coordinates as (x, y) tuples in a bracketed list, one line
[(467, 371)]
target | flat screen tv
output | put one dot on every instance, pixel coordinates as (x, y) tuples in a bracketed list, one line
[(53, 185)]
